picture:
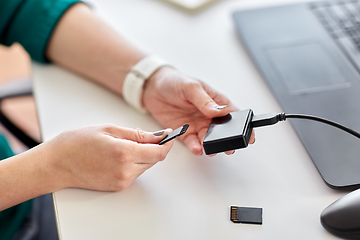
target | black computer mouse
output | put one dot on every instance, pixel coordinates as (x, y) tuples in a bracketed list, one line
[(342, 217)]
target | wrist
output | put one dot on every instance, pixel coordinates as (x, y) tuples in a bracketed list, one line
[(134, 82), (53, 172)]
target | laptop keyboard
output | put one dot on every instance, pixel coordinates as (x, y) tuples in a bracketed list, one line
[(342, 21)]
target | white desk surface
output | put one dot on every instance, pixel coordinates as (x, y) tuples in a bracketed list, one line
[(186, 197)]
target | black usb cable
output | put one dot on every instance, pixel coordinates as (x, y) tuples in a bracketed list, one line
[(273, 118)]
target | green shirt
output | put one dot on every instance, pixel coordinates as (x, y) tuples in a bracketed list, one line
[(30, 23)]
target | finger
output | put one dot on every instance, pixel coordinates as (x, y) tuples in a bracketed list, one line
[(198, 96), (137, 135), (230, 152), (193, 139), (201, 133), (193, 144), (227, 153), (220, 98), (252, 137)]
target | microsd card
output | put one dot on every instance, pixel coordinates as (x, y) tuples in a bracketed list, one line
[(246, 215)]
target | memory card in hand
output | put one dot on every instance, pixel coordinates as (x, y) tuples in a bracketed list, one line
[(177, 132)]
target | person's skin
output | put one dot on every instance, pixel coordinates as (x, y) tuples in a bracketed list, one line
[(108, 158), (99, 53), (104, 158)]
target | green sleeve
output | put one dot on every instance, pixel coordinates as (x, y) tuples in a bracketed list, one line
[(31, 23)]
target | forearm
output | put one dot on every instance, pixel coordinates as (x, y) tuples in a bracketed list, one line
[(85, 44), (104, 158), (26, 176)]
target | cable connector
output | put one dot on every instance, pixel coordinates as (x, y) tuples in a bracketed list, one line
[(267, 119)]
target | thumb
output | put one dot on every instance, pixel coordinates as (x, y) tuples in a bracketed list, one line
[(140, 136), (203, 97)]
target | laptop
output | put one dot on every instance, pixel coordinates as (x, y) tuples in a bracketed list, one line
[(309, 54)]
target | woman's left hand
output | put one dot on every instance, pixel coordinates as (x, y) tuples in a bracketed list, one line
[(174, 99)]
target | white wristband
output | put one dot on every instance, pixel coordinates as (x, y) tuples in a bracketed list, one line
[(134, 81)]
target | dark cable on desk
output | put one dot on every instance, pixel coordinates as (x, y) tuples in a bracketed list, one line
[(272, 118)]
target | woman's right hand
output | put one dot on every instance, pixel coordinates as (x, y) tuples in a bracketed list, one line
[(105, 157)]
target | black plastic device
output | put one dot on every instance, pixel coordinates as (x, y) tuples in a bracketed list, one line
[(342, 217), (233, 131), (173, 134), (230, 132)]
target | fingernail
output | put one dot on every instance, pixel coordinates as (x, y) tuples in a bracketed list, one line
[(159, 133), (220, 107)]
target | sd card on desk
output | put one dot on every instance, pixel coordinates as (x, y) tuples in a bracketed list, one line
[(246, 215)]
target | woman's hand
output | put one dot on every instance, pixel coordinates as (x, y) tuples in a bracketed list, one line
[(174, 98), (106, 157)]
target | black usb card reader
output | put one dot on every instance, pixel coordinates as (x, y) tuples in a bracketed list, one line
[(233, 131), (230, 132)]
